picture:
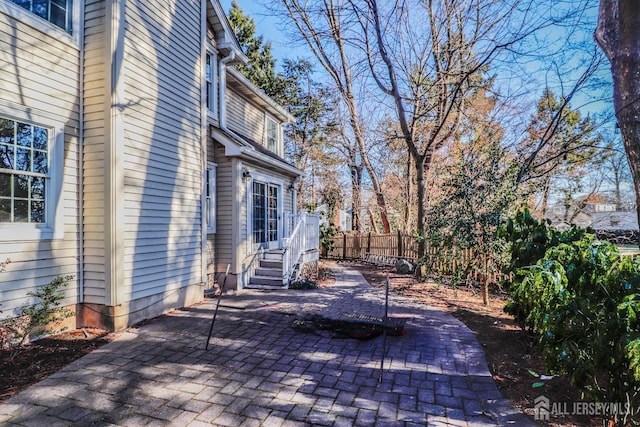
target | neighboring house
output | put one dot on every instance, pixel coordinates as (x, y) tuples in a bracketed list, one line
[(616, 220), (341, 221), (133, 157), (599, 216)]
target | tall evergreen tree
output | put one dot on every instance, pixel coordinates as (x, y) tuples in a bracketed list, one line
[(559, 143), (261, 69)]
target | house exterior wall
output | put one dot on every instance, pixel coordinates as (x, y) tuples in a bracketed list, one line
[(261, 173), (143, 160), (225, 200), (131, 228), (153, 255), (244, 118), (39, 85), (94, 153)]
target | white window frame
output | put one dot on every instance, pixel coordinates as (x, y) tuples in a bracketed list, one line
[(211, 93), (278, 143), (210, 195), (53, 227), (69, 36)]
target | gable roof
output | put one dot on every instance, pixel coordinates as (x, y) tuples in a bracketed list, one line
[(236, 145), (226, 40), (251, 91)]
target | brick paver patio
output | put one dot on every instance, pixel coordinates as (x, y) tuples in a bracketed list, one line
[(261, 371)]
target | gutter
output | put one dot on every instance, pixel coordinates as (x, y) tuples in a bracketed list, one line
[(248, 151)]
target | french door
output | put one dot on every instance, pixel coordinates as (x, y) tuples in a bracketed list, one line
[(265, 217)]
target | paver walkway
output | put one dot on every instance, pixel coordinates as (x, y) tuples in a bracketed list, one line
[(260, 371)]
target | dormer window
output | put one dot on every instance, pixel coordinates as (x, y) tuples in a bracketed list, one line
[(272, 135)]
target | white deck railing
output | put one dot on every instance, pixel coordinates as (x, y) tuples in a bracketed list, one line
[(301, 243)]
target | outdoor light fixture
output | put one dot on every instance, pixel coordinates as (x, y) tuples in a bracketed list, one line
[(245, 174)]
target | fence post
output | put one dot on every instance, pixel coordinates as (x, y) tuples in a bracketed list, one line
[(399, 243), (344, 245), (369, 242)]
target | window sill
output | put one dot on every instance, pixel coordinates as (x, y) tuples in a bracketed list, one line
[(12, 232), (40, 24)]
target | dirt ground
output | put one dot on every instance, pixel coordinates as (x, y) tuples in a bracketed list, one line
[(21, 367), (514, 361)]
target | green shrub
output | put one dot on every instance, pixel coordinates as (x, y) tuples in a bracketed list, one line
[(582, 300), (303, 284), (30, 321), (528, 240), (327, 233)]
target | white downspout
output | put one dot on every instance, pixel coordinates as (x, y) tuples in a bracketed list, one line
[(222, 79), (81, 84), (203, 147), (222, 117)]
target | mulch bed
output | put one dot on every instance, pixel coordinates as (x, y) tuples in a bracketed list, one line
[(33, 362)]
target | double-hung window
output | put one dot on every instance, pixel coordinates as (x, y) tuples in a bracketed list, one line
[(272, 135), (211, 83), (31, 171), (24, 171), (58, 12)]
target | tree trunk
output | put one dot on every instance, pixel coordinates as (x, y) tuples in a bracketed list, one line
[(374, 223), (421, 215), (354, 118), (409, 195), (356, 197), (618, 35), (545, 198)]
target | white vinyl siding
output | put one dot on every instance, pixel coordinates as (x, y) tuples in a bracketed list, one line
[(225, 220), (94, 153), (244, 118), (162, 160), (39, 83)]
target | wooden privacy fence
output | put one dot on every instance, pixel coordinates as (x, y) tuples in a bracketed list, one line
[(357, 246), (467, 264)]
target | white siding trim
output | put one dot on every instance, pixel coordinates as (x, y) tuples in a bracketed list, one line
[(204, 138), (210, 199), (114, 148), (236, 185)]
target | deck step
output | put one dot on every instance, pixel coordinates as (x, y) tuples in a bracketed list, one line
[(265, 287), (267, 281), (266, 263), (270, 272), (268, 275)]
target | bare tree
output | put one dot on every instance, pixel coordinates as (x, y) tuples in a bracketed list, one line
[(429, 56), (321, 24), (618, 35), (617, 173)]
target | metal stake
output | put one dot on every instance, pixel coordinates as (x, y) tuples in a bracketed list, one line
[(384, 328), (215, 313)]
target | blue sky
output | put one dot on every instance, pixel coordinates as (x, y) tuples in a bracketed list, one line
[(266, 26)]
